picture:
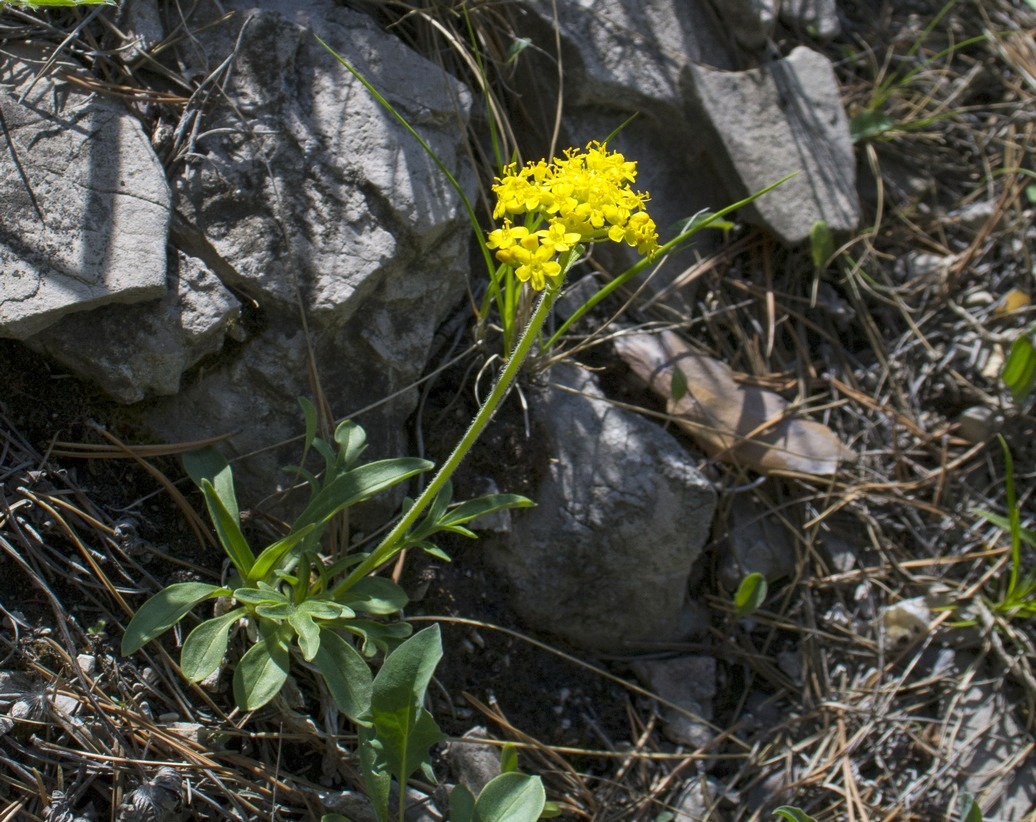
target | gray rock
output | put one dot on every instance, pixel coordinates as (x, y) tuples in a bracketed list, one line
[(769, 122), (701, 800), (817, 17), (988, 742), (622, 514), (306, 196), (626, 60), (86, 207), (134, 352), (978, 423), (751, 21), (141, 22), (688, 682), (756, 543), (473, 763)]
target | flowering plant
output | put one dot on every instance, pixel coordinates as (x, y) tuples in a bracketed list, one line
[(550, 213)]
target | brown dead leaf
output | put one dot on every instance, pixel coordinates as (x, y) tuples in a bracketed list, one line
[(740, 424)]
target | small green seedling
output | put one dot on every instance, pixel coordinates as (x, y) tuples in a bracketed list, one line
[(750, 595)]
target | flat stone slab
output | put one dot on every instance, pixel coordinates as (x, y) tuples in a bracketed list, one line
[(85, 202), (769, 122)]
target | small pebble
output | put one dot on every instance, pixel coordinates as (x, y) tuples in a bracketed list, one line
[(978, 423)]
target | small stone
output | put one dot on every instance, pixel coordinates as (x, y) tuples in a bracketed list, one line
[(905, 622), (978, 423), (87, 663), (690, 683), (474, 764), (193, 731), (701, 800)]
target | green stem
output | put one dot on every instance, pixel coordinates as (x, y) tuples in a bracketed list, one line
[(392, 544)]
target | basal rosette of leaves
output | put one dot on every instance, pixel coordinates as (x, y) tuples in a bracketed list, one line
[(289, 599)]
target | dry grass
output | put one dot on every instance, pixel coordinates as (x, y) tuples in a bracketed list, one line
[(898, 336)]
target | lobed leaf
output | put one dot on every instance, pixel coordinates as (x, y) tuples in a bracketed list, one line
[(307, 631)]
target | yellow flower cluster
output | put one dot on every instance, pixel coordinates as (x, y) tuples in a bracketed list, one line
[(582, 198)]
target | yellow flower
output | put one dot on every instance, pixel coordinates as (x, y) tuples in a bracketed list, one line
[(535, 265), (558, 238), (584, 197)]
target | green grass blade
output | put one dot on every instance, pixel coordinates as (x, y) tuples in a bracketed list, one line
[(472, 218)]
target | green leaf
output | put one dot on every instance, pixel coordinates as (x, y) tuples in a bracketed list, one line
[(307, 631), (969, 810), (793, 814), (520, 44), (462, 805), (1019, 374), (228, 529), (205, 646), (346, 674), (263, 594), (352, 442), (376, 595), (509, 759), (822, 244), (678, 389), (277, 611), (377, 636), (511, 797), (274, 553), (434, 550), (164, 610), (751, 594), (405, 730), (209, 464), (869, 124), (325, 609), (489, 504), (262, 671), (357, 485), (1027, 535), (377, 781)]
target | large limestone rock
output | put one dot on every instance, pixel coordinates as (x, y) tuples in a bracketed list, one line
[(604, 559), (85, 202), (134, 352), (311, 202), (766, 123)]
